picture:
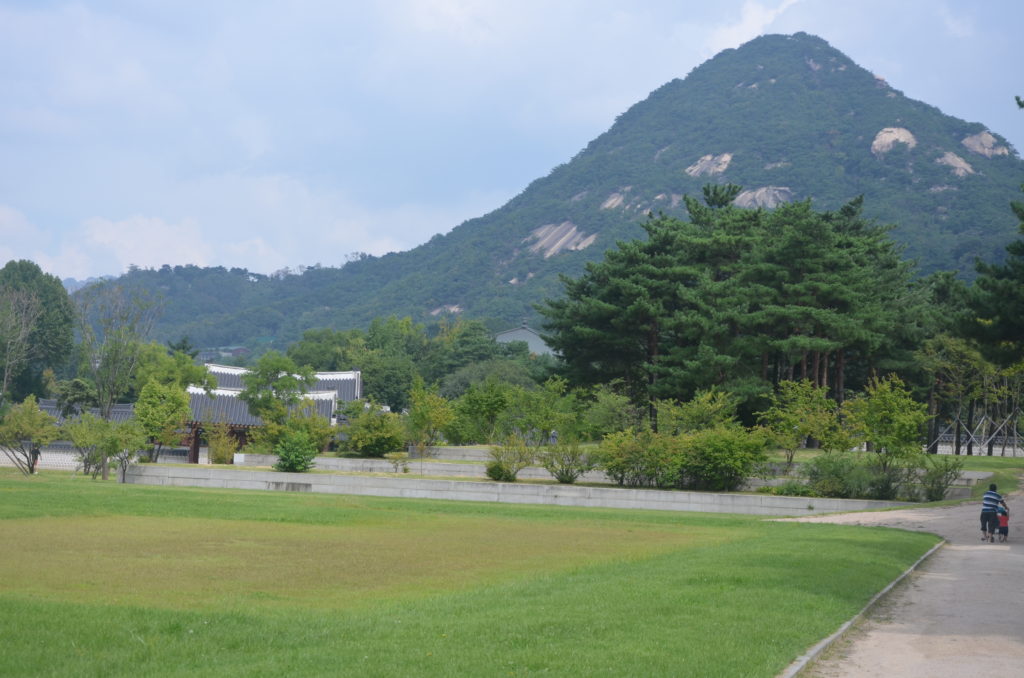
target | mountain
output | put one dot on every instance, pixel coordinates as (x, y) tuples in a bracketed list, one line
[(786, 117), (73, 285)]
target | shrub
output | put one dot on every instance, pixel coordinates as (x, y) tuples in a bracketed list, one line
[(940, 473), (706, 410), (837, 474), (476, 412), (508, 459), (221, 444), (793, 488), (610, 412), (888, 476), (399, 460), (318, 428), (640, 459), (295, 452), (373, 433), (498, 471), (566, 461), (721, 458)]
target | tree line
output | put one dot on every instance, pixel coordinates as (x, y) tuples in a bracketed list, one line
[(743, 300), (738, 306)]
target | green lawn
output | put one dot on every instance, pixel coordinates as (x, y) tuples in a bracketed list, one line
[(106, 579)]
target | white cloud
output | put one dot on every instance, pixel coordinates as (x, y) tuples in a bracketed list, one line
[(253, 134), (14, 226), (276, 138), (956, 26), (755, 18), (462, 20), (148, 242), (18, 237)]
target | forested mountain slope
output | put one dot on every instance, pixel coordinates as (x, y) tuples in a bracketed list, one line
[(786, 117)]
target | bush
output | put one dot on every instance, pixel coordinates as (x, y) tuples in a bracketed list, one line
[(888, 476), (837, 474), (295, 452), (640, 459), (374, 433), (940, 473), (566, 461), (721, 458), (793, 488), (220, 443), (508, 459), (399, 460), (707, 410)]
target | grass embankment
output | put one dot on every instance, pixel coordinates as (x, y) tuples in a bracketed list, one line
[(105, 579)]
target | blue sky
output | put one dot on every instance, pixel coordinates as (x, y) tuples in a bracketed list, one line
[(270, 135)]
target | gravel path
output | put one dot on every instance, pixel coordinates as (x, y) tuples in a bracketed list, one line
[(961, 613)]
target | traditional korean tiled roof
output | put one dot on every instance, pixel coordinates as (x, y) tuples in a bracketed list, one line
[(223, 405), (120, 411), (227, 375), (347, 385)]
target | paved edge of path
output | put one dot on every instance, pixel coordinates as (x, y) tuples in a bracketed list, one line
[(801, 662)]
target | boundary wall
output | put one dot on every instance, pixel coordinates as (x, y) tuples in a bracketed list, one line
[(510, 493)]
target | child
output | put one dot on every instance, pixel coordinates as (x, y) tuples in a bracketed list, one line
[(1004, 524)]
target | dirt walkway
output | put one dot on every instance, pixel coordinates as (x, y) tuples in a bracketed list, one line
[(960, 614)]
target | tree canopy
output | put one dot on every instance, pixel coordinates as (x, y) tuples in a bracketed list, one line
[(735, 298)]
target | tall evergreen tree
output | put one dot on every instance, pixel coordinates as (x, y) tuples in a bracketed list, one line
[(998, 301), (51, 339), (738, 299)]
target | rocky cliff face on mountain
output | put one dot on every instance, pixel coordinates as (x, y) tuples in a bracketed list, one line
[(785, 117)]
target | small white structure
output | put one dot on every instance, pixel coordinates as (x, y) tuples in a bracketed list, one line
[(524, 333)]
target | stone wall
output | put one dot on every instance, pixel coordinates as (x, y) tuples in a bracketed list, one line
[(515, 493)]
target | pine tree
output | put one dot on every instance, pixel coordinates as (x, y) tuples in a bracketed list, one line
[(998, 301)]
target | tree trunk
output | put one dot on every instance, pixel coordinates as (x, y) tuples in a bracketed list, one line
[(652, 377), (933, 423), (970, 429), (840, 375), (956, 434)]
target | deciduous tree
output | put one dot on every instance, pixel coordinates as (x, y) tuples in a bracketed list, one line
[(25, 429), (162, 410), (19, 310), (114, 324), (275, 384), (429, 414)]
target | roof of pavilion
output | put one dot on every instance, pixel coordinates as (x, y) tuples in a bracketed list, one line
[(222, 405), (119, 412), (347, 385)]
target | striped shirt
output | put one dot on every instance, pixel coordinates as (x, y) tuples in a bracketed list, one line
[(990, 501)]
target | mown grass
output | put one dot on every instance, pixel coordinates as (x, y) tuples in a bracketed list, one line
[(105, 579)]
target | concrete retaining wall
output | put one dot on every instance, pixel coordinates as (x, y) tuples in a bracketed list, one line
[(429, 467), (433, 467), (560, 495)]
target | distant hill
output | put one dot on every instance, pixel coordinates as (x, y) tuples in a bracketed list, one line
[(786, 117), (72, 285)]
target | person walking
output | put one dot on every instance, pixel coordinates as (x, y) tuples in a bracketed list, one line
[(990, 503), (1004, 524)]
